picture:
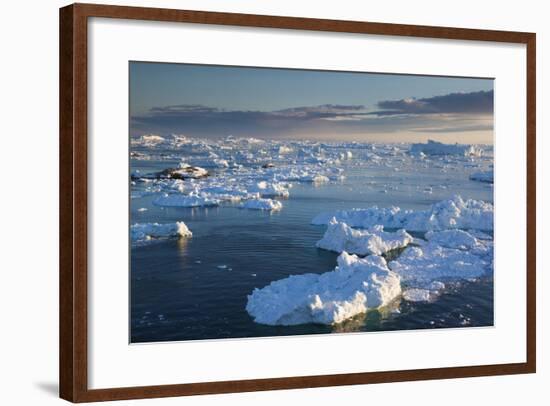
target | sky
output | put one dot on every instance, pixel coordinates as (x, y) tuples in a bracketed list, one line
[(217, 101)]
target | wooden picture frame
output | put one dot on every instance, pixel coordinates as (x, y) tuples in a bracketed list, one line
[(74, 201)]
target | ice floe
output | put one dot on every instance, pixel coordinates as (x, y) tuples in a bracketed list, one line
[(262, 204), (452, 213), (181, 200), (149, 231), (353, 287), (340, 237), (269, 189), (420, 266)]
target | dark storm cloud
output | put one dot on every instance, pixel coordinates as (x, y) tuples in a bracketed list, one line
[(453, 103)]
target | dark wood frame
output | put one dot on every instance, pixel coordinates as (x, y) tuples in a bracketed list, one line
[(73, 335)]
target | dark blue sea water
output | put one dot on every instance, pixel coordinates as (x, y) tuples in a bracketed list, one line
[(196, 288)]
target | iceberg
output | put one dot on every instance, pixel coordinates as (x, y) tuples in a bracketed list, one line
[(149, 231), (353, 287), (340, 237), (438, 148), (262, 204), (181, 200), (452, 213)]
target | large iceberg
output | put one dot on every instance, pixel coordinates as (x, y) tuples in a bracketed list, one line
[(340, 237), (438, 148), (149, 231), (353, 287), (452, 213)]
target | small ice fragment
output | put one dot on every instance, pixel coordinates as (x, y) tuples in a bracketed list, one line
[(417, 295), (262, 204), (142, 209), (149, 231)]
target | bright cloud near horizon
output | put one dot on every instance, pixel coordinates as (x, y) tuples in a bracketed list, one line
[(216, 101)]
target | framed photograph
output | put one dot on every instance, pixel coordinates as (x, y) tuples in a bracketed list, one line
[(256, 202)]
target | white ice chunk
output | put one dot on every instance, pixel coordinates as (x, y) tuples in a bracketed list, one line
[(149, 231), (417, 295), (355, 285), (262, 204), (452, 239), (420, 266), (181, 200), (269, 189), (340, 237), (452, 213)]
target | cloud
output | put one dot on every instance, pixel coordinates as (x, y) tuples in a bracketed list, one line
[(209, 120), (451, 113), (454, 103)]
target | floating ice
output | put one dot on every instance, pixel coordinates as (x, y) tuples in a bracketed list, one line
[(149, 231), (452, 239), (149, 140), (355, 285), (340, 237), (438, 148), (186, 171), (453, 213), (487, 177), (420, 266), (417, 295), (269, 189), (181, 200), (262, 204)]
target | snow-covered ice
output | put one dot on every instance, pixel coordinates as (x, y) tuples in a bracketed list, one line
[(452, 213), (149, 231), (340, 237), (180, 200), (420, 266), (262, 204), (353, 287)]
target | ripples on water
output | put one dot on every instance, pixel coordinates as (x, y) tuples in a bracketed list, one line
[(197, 288)]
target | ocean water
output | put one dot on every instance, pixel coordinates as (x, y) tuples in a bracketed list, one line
[(196, 288)]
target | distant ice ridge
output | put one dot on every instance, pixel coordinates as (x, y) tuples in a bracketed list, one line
[(149, 231), (487, 177), (262, 204), (438, 148), (340, 237), (447, 214), (355, 285)]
